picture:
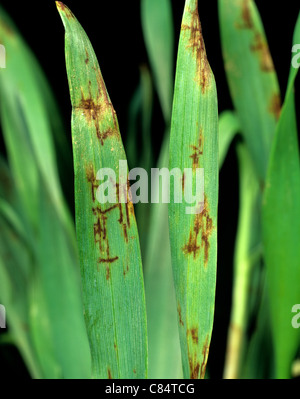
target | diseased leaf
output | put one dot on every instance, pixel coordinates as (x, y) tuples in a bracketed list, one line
[(251, 77), (194, 145), (110, 259)]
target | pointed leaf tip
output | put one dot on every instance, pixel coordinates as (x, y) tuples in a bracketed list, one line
[(62, 8)]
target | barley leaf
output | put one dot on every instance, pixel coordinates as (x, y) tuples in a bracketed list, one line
[(247, 257), (110, 259), (281, 230), (157, 23), (251, 77), (194, 145), (229, 127)]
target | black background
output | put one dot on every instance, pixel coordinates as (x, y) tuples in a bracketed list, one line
[(114, 29)]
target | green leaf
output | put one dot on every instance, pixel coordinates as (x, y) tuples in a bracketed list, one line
[(193, 145), (157, 24), (281, 231), (164, 346), (251, 77), (247, 256), (110, 259), (229, 127), (23, 108), (50, 288)]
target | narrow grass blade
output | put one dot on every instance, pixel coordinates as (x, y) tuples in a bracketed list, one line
[(247, 256), (140, 145), (107, 234), (164, 346), (229, 127), (157, 24), (193, 145), (251, 77), (281, 231)]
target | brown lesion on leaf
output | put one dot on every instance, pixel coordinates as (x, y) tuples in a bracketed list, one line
[(87, 57), (197, 151), (196, 370), (194, 333), (100, 225), (126, 209), (179, 315), (109, 375), (101, 238), (94, 107), (125, 271), (68, 13), (183, 181), (192, 247), (107, 273), (203, 227), (205, 352), (194, 367), (134, 371), (91, 178), (196, 43), (246, 16), (275, 106), (260, 47)]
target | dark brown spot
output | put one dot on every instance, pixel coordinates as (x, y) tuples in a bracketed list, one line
[(108, 260), (194, 335), (260, 47), (196, 43), (91, 178), (191, 247), (203, 224), (107, 273), (183, 181), (100, 235), (275, 106), (198, 151), (179, 315), (125, 271), (94, 109), (129, 209), (87, 59), (194, 367), (134, 371), (109, 374), (205, 353), (246, 17)]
